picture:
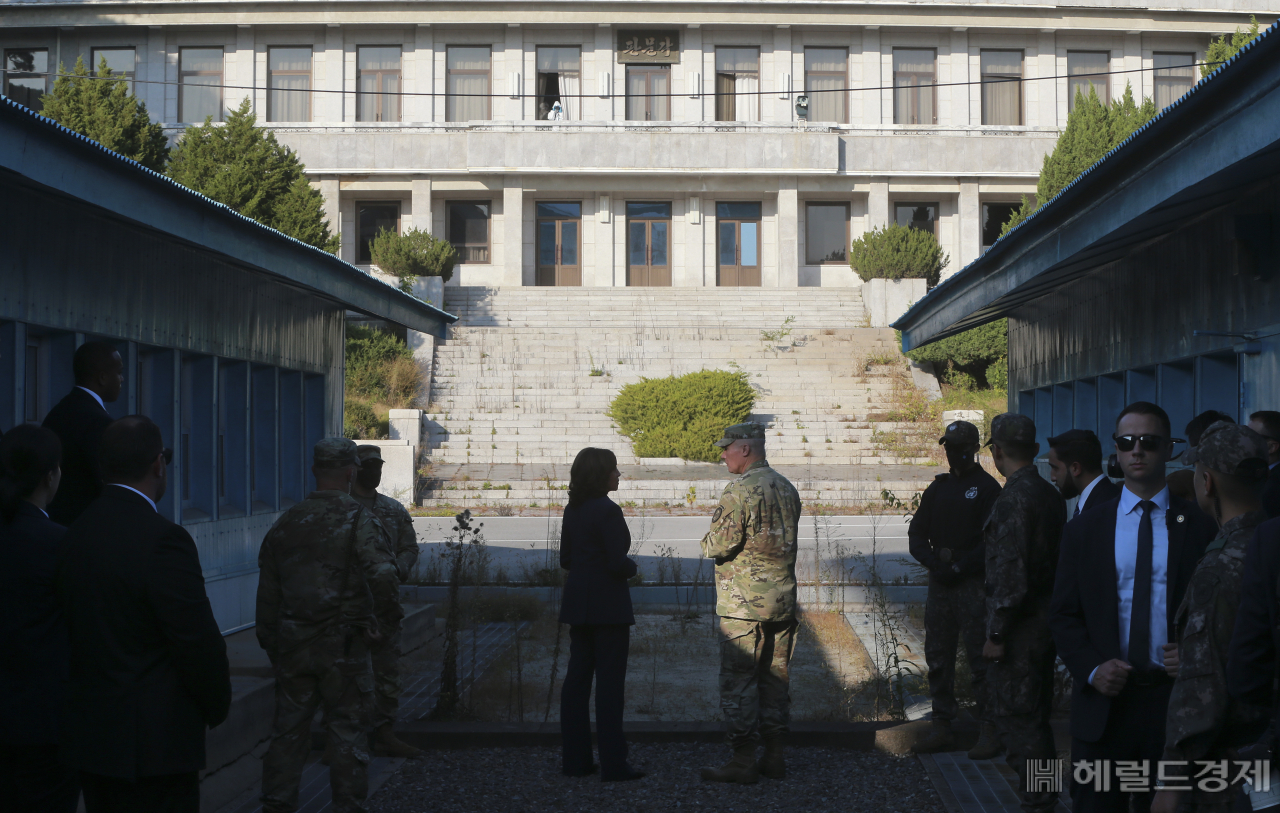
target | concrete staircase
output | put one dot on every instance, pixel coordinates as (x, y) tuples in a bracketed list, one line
[(527, 374)]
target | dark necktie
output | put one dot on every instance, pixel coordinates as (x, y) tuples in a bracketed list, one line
[(1140, 620), (1079, 503)]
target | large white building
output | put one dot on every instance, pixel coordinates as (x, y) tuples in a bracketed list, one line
[(680, 158)]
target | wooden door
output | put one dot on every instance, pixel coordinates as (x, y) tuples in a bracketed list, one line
[(738, 244), (649, 244), (559, 244)]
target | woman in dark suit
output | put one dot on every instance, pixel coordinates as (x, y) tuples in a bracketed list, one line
[(33, 635), (594, 541)]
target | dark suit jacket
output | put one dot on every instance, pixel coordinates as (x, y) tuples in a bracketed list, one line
[(33, 636), (1271, 493), (149, 667), (1103, 492), (78, 422), (594, 541), (1085, 611)]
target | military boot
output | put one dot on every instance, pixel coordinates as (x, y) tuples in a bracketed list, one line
[(771, 763), (387, 744), (939, 739), (988, 744), (741, 767)]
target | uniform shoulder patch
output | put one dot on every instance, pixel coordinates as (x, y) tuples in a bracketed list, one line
[(719, 512)]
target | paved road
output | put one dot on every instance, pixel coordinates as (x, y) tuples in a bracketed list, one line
[(520, 544)]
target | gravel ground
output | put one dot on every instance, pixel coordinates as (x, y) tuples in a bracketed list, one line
[(529, 779)]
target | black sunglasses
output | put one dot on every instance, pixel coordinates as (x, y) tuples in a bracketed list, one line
[(168, 456), (1149, 443)]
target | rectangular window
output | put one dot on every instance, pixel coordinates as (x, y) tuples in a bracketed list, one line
[(467, 82), (263, 423), (196, 459), (26, 75), (826, 79), (559, 83), (826, 233), (915, 97), (200, 92), (289, 84), (994, 216), (294, 455), (648, 93), (923, 216), (123, 62), (1085, 70), (371, 218), (1175, 74), (1001, 87), (378, 83), (233, 438), (737, 84), (468, 229)]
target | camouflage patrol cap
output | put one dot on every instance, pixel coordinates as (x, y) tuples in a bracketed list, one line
[(335, 453), (367, 452), (961, 433), (1231, 449), (1011, 427), (741, 431)]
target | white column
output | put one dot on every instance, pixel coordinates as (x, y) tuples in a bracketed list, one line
[(781, 108), (1133, 62), (1047, 63), (153, 59), (505, 108), (788, 230), (327, 76), (872, 115), (602, 272), (329, 191), (424, 55), (959, 113), (695, 245), (878, 214), (970, 215), (238, 69), (686, 107), (512, 231), (420, 204)]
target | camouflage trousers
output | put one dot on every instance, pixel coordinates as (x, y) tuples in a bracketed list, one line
[(754, 661), (1020, 690), (332, 674), (954, 613), (385, 656)]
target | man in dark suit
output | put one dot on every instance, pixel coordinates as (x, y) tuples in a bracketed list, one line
[(1123, 571), (79, 420), (1267, 424), (149, 668), (1075, 466)]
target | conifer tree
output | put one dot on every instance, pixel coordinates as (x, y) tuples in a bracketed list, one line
[(243, 166), (104, 110), (1222, 49)]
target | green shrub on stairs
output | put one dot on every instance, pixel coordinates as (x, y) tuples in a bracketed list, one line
[(682, 416)]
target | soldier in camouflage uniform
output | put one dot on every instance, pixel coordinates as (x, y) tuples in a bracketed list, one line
[(1022, 539), (753, 542), (385, 654), (1203, 722), (322, 585)]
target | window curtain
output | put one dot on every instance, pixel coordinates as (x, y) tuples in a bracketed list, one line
[(1174, 76), (741, 67), (660, 100), (913, 78), (201, 95), (826, 75), (1001, 98), (567, 62), (468, 92), (570, 100), (1082, 71), (637, 87), (290, 100)]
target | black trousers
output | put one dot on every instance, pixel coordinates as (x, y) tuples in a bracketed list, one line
[(1135, 731), (34, 780), (599, 651), (170, 793)]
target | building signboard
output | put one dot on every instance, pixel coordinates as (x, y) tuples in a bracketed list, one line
[(649, 47)]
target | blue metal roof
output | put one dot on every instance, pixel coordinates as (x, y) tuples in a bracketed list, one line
[(1080, 193), (325, 274)]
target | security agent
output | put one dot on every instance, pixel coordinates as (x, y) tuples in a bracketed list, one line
[(946, 537), (1075, 466)]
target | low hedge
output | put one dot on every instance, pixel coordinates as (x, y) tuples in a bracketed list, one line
[(682, 416)]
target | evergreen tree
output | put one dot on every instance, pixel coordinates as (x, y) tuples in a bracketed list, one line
[(243, 166), (104, 110), (1222, 49), (898, 252)]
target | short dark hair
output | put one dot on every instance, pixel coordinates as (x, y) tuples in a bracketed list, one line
[(1147, 408), (1078, 446), (27, 454), (1270, 423), (92, 358), (128, 448), (589, 475), (1197, 425)]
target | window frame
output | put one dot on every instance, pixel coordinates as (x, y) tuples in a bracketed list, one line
[(127, 75), (380, 93), (933, 87), (982, 223), (648, 100), (732, 97), (843, 75), (1156, 77), (808, 244), (182, 82), (361, 244), (1002, 78), (9, 75), (464, 248), (488, 78), (937, 213), (309, 73), (1105, 83)]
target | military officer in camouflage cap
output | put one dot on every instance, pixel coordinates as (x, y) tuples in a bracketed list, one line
[(753, 542), (1204, 723), (401, 559), (322, 586), (946, 537), (1023, 535)]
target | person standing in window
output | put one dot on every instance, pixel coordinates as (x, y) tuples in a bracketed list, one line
[(33, 671), (594, 541), (79, 420)]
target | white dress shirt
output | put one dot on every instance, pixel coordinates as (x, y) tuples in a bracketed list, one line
[(150, 501), (1084, 495), (95, 395)]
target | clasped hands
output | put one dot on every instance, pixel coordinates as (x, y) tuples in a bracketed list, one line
[(1110, 678)]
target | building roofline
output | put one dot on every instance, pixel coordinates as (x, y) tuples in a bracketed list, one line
[(988, 287), (53, 156)]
